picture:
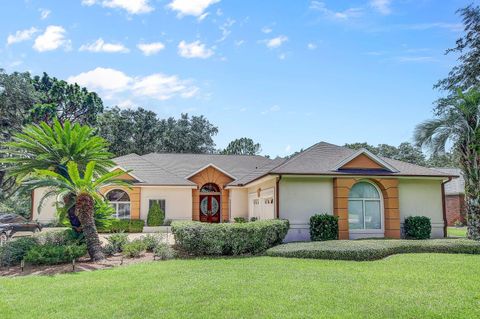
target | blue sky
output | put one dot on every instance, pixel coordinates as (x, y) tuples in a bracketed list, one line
[(285, 73)]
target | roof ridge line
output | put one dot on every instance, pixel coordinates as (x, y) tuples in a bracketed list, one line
[(297, 156)]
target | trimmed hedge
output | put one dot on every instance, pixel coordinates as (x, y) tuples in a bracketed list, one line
[(361, 250), (323, 227), (156, 215), (124, 226), (417, 227), (52, 254), (199, 239)]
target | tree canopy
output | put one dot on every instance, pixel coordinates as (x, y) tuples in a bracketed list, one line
[(242, 146)]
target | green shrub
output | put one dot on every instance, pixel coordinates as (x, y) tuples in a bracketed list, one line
[(417, 227), (253, 219), (323, 227), (240, 219), (167, 222), (151, 241), (58, 237), (54, 254), (116, 243), (198, 238), (163, 251), (363, 250), (15, 250), (124, 226), (156, 215), (134, 249)]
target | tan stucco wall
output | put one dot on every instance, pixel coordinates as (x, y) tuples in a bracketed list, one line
[(178, 201), (238, 202), (422, 198), (48, 210)]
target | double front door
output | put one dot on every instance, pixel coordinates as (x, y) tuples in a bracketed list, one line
[(210, 208)]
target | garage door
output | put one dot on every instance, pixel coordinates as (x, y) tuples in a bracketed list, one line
[(262, 207)]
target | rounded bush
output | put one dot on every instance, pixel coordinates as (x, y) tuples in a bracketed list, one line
[(417, 227), (156, 215), (323, 227), (134, 249), (198, 238)]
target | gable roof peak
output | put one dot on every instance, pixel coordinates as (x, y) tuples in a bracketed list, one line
[(379, 161)]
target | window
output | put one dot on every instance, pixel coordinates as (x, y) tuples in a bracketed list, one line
[(364, 207), (160, 202), (210, 188), (120, 201)]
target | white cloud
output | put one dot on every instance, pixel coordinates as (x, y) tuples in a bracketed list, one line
[(188, 7), (266, 30), (52, 39), (101, 46), (382, 6), (276, 42), (239, 42), (415, 59), (194, 49), (44, 13), (151, 48), (272, 109), (311, 46), (21, 35), (282, 56), (336, 15), (441, 25), (131, 6), (113, 84), (225, 28), (288, 148)]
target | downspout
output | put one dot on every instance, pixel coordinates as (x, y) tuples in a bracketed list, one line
[(277, 197), (444, 207), (32, 197)]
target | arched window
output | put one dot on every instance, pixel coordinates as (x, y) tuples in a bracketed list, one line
[(364, 207), (210, 188), (120, 201)]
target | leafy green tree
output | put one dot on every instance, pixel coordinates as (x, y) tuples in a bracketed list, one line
[(65, 102), (40, 146), (156, 215), (459, 123), (467, 73), (242, 146), (80, 191)]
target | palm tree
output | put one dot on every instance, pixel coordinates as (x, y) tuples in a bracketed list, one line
[(40, 146), (459, 124), (79, 191)]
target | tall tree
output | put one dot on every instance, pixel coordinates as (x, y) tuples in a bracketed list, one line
[(467, 73), (459, 123), (80, 190), (140, 131), (242, 146), (64, 101)]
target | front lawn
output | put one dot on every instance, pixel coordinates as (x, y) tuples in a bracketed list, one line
[(401, 286), (457, 231)]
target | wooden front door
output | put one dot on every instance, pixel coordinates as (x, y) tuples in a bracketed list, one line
[(210, 208)]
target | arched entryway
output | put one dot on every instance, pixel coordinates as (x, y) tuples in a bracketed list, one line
[(210, 202)]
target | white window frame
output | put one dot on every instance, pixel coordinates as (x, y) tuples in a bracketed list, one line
[(382, 211), (115, 205)]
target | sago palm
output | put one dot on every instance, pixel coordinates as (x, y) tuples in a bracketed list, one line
[(459, 124), (77, 191), (40, 146)]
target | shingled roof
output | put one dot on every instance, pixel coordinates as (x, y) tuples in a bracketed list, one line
[(320, 159)]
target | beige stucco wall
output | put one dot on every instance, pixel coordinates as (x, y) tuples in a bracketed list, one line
[(238, 203), (48, 211), (178, 201), (267, 188), (302, 197), (422, 198)]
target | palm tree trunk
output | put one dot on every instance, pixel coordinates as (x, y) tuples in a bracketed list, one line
[(84, 210)]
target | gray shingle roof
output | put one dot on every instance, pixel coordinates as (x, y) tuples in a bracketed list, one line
[(457, 184), (319, 159)]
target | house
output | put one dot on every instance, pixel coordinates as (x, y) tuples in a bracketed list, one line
[(454, 196), (371, 195)]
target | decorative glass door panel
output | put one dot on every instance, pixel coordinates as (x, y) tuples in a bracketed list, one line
[(210, 208)]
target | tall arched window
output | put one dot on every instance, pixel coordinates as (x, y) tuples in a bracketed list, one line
[(120, 201), (364, 207)]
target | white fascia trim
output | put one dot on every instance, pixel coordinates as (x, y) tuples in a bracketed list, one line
[(439, 178), (126, 172), (168, 186), (211, 165), (370, 155), (258, 181)]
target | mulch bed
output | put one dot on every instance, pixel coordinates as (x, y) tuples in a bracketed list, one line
[(83, 264)]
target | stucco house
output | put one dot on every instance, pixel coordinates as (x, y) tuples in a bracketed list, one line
[(454, 196), (371, 195)]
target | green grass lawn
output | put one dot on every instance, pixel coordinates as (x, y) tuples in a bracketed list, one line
[(457, 231), (400, 286)]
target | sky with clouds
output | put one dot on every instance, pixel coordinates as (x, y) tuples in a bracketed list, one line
[(285, 73)]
